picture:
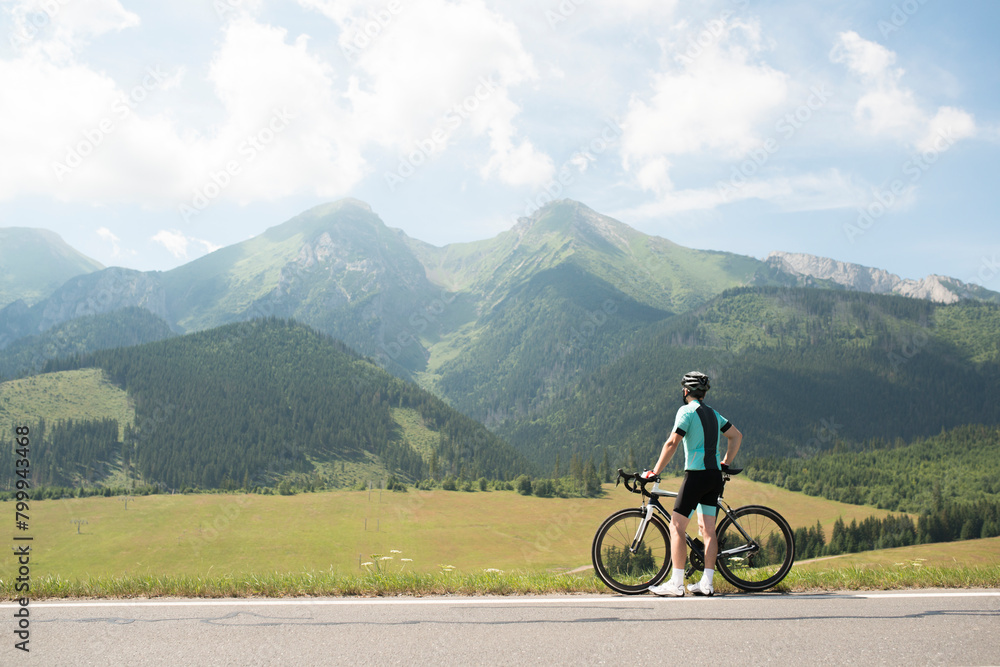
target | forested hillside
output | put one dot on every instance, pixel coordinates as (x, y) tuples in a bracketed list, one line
[(798, 370), (121, 328), (959, 465), (246, 403)]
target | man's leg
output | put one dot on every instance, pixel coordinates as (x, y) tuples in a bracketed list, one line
[(706, 524), (678, 542)]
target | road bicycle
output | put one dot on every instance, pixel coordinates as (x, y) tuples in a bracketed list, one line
[(631, 549)]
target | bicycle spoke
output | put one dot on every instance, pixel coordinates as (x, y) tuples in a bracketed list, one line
[(762, 560), (619, 567)]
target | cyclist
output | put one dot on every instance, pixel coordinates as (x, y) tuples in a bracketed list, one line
[(699, 427)]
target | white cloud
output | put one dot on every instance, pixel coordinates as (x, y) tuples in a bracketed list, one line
[(176, 243), (804, 192), (713, 102), (950, 124), (888, 108), (59, 27), (257, 74), (435, 73), (655, 175), (106, 234), (440, 69), (870, 60)]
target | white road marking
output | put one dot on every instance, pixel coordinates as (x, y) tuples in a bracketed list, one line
[(476, 601)]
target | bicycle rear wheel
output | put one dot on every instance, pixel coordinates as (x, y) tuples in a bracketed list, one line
[(761, 554), (622, 569)]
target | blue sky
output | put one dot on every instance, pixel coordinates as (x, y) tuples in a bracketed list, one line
[(148, 134)]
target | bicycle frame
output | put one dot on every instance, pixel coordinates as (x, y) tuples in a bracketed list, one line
[(653, 505)]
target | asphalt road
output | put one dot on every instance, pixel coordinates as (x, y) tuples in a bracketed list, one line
[(909, 628)]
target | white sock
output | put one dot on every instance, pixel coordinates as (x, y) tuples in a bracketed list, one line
[(707, 575), (678, 578)]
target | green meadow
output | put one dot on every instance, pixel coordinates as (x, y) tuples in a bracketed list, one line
[(80, 394), (339, 531)]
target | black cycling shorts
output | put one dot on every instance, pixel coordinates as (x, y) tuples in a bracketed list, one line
[(700, 487)]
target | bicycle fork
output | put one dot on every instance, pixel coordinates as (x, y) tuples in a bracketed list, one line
[(641, 532)]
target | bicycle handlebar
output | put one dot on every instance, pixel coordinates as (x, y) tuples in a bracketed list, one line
[(636, 483), (633, 481)]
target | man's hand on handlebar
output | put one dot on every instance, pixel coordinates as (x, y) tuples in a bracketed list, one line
[(649, 476)]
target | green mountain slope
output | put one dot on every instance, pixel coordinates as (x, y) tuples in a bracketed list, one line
[(651, 270), (122, 328), (798, 370), (920, 476), (249, 403), (336, 267), (84, 394), (34, 262), (556, 297)]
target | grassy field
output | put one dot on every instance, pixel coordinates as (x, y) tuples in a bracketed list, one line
[(971, 553), (82, 394), (414, 543), (190, 535)]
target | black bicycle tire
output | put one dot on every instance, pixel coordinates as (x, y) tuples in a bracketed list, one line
[(600, 568), (756, 586)]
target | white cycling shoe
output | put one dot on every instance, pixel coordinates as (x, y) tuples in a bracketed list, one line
[(701, 588), (668, 589)]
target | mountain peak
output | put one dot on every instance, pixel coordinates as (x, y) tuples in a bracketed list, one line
[(940, 289), (578, 222), (35, 262)]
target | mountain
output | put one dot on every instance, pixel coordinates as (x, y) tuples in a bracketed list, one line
[(501, 328), (34, 262), (252, 403), (855, 277), (560, 294), (104, 291), (120, 328), (797, 370), (335, 267), (495, 327)]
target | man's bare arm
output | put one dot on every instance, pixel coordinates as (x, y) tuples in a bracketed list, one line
[(669, 447), (735, 439)]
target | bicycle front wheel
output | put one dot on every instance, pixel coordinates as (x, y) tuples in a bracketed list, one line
[(627, 570), (757, 551)]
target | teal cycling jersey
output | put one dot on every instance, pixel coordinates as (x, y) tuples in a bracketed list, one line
[(702, 429)]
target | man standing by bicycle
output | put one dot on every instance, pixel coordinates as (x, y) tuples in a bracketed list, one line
[(701, 429)]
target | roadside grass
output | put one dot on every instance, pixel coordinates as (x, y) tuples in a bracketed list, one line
[(387, 584)]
